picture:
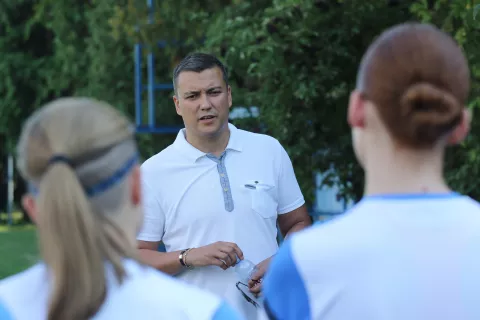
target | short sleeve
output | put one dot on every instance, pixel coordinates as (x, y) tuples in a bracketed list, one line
[(153, 215), (4, 313), (290, 196), (284, 289)]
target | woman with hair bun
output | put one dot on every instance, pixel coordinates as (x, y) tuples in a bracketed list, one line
[(80, 158), (410, 249)]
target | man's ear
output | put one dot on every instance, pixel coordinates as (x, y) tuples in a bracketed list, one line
[(30, 206), (177, 104), (136, 195), (461, 131), (229, 91), (356, 110)]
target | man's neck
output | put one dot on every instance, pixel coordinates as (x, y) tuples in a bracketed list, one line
[(214, 144)]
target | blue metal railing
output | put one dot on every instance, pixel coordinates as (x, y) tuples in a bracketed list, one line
[(138, 85), (152, 87)]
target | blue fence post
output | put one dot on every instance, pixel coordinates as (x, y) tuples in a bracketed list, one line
[(151, 86), (10, 199), (138, 85), (151, 74)]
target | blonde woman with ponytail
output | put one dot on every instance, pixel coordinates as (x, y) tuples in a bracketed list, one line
[(80, 159)]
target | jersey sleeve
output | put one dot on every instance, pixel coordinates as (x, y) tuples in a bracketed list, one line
[(284, 289), (4, 313), (225, 312), (153, 216), (290, 196)]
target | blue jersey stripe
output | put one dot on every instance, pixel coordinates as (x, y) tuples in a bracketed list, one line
[(413, 196), (285, 294), (4, 313), (225, 312)]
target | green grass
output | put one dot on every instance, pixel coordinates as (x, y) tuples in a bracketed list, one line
[(18, 249)]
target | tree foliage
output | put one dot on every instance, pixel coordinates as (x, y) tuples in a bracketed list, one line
[(296, 60), (23, 66), (457, 18)]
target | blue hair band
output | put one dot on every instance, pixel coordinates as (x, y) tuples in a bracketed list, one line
[(113, 179), (103, 185)]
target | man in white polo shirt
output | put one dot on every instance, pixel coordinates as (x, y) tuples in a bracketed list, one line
[(217, 192)]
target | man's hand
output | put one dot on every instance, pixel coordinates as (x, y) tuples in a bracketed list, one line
[(222, 254), (255, 283)]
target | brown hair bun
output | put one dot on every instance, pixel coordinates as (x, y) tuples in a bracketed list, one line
[(429, 112), (419, 81)]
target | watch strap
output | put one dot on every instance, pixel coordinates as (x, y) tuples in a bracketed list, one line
[(181, 257)]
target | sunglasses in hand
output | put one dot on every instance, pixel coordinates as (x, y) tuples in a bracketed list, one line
[(241, 285)]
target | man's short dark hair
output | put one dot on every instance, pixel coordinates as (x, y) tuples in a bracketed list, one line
[(198, 62)]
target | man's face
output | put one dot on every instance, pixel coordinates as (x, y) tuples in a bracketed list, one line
[(203, 101)]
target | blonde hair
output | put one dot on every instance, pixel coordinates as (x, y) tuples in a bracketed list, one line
[(78, 228)]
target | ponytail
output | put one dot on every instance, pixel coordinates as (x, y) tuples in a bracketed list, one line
[(81, 204), (70, 244)]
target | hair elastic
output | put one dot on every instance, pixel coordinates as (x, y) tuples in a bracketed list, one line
[(60, 158), (101, 186)]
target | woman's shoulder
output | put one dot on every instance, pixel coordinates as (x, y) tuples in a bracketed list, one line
[(29, 287), (23, 279), (152, 289)]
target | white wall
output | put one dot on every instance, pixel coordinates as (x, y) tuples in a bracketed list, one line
[(326, 197)]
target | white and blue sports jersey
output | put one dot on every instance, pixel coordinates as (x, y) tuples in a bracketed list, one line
[(395, 257), (145, 294)]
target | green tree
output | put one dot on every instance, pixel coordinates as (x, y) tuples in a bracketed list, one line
[(294, 59), (62, 48), (297, 61), (91, 57), (25, 50), (25, 60), (457, 17), (180, 26)]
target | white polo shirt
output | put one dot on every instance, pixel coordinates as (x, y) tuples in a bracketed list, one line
[(192, 199), (392, 257), (145, 294)]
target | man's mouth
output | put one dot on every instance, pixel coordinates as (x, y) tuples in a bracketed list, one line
[(207, 117)]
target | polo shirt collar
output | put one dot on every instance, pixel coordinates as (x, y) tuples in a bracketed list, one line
[(193, 153)]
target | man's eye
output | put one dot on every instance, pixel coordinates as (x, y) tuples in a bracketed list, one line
[(214, 92)]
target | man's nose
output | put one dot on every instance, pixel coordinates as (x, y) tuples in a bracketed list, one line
[(205, 103)]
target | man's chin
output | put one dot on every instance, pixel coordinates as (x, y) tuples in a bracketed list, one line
[(211, 130)]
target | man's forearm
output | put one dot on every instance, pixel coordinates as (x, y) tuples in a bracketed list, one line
[(297, 227), (167, 262), (294, 221)]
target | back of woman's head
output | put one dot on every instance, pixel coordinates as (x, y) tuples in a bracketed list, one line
[(77, 154), (418, 79)]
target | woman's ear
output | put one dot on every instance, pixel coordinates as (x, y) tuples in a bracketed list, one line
[(461, 131), (356, 110), (30, 206)]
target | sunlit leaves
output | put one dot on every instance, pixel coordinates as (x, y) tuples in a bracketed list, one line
[(476, 9)]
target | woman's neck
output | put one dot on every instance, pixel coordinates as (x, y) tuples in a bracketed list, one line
[(405, 171)]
